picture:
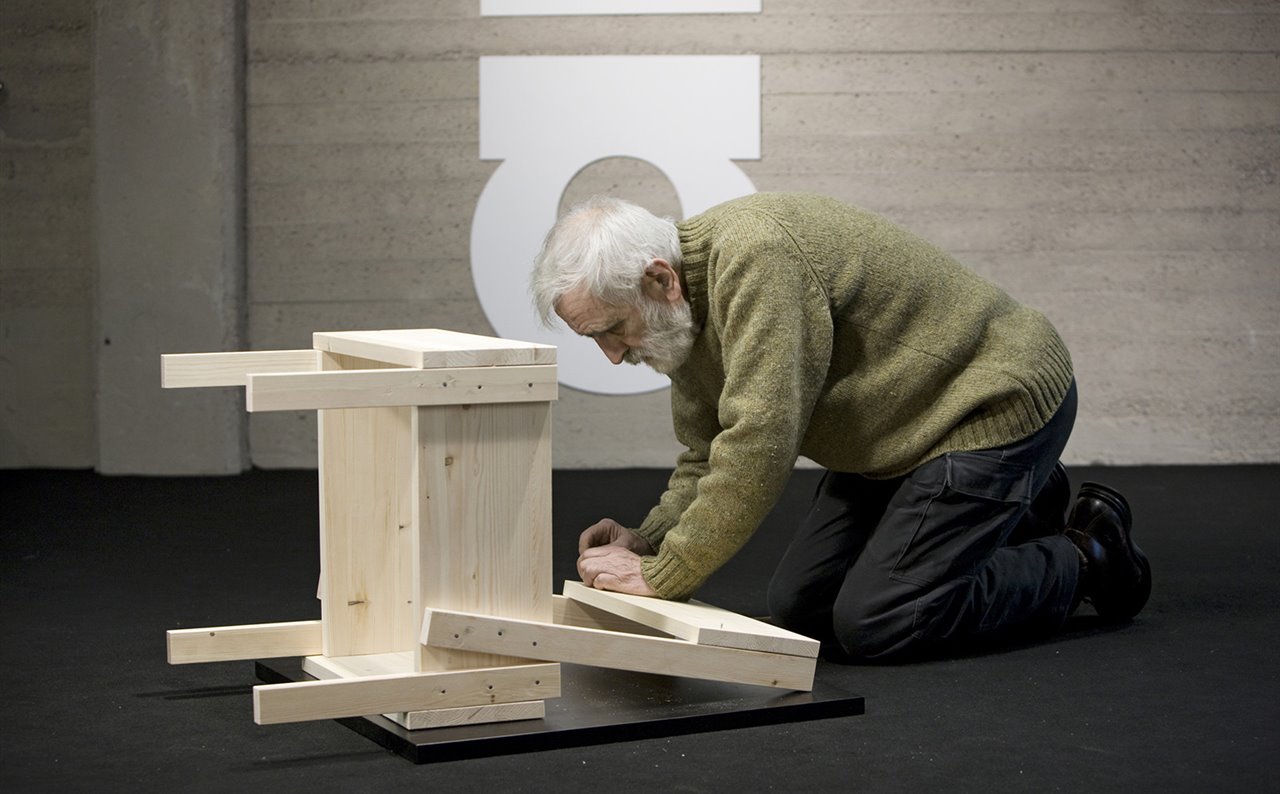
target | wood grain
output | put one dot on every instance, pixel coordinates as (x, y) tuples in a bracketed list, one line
[(397, 387), (484, 515), (697, 622), (489, 634), (251, 641), (188, 370), (356, 697), (325, 668), (433, 348), (366, 526)]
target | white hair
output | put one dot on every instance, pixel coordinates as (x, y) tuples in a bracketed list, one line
[(603, 244)]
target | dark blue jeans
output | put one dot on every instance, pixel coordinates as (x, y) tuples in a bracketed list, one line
[(887, 569)]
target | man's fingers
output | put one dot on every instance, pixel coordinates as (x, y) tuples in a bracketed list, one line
[(587, 573), (588, 539), (598, 534)]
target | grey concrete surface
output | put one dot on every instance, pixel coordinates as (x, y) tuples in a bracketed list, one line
[(168, 198), (46, 273)]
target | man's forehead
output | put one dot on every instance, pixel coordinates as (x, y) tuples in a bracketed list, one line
[(583, 312)]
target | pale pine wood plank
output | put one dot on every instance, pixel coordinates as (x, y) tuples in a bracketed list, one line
[(366, 526), (433, 348), (325, 668), (488, 634), (484, 516), (697, 622), (567, 612), (362, 666), (189, 370), (471, 715), (389, 387), (357, 697), (251, 641)]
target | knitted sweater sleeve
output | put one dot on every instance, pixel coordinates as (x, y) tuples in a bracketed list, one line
[(772, 320)]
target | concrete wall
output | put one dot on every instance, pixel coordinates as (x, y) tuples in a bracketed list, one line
[(46, 257), (121, 231), (1113, 163), (168, 208)]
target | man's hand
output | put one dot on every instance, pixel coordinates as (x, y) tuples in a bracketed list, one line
[(613, 567), (607, 532)]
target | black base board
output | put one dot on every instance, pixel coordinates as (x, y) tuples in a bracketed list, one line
[(600, 706)]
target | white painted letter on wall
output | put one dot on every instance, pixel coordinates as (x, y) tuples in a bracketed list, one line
[(548, 117)]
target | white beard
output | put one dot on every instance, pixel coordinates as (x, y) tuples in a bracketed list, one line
[(668, 336)]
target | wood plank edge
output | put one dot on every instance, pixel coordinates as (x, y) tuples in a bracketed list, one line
[(275, 704), (251, 641), (634, 608), (609, 649)]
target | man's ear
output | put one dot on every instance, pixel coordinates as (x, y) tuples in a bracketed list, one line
[(662, 282)]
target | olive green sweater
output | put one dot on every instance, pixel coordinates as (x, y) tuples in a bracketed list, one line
[(827, 331)]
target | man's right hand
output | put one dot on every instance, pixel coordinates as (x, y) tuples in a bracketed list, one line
[(607, 532)]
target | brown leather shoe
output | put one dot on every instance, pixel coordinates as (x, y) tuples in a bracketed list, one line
[(1117, 575)]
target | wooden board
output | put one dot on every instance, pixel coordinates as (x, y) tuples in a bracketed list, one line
[(484, 516), (485, 633), (358, 697), (433, 347), (325, 668), (697, 622), (367, 527), (567, 612), (296, 391), (444, 506), (252, 641), (190, 370)]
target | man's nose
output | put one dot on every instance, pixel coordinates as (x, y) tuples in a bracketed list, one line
[(613, 349)]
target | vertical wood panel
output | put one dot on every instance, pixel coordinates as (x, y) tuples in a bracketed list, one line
[(485, 516), (366, 525)]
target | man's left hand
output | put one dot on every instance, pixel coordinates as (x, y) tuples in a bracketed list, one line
[(613, 568)]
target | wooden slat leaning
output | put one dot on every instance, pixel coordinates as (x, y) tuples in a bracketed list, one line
[(699, 623), (616, 650), (568, 612)]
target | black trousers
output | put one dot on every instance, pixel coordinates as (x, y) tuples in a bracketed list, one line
[(887, 569)]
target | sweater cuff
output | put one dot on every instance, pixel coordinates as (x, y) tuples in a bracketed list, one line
[(669, 577)]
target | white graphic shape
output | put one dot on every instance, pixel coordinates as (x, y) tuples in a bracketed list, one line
[(549, 117)]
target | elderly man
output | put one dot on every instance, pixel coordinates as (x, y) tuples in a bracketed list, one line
[(793, 324)]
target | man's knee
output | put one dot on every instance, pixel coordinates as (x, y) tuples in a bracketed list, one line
[(871, 631), (862, 638), (786, 609)]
